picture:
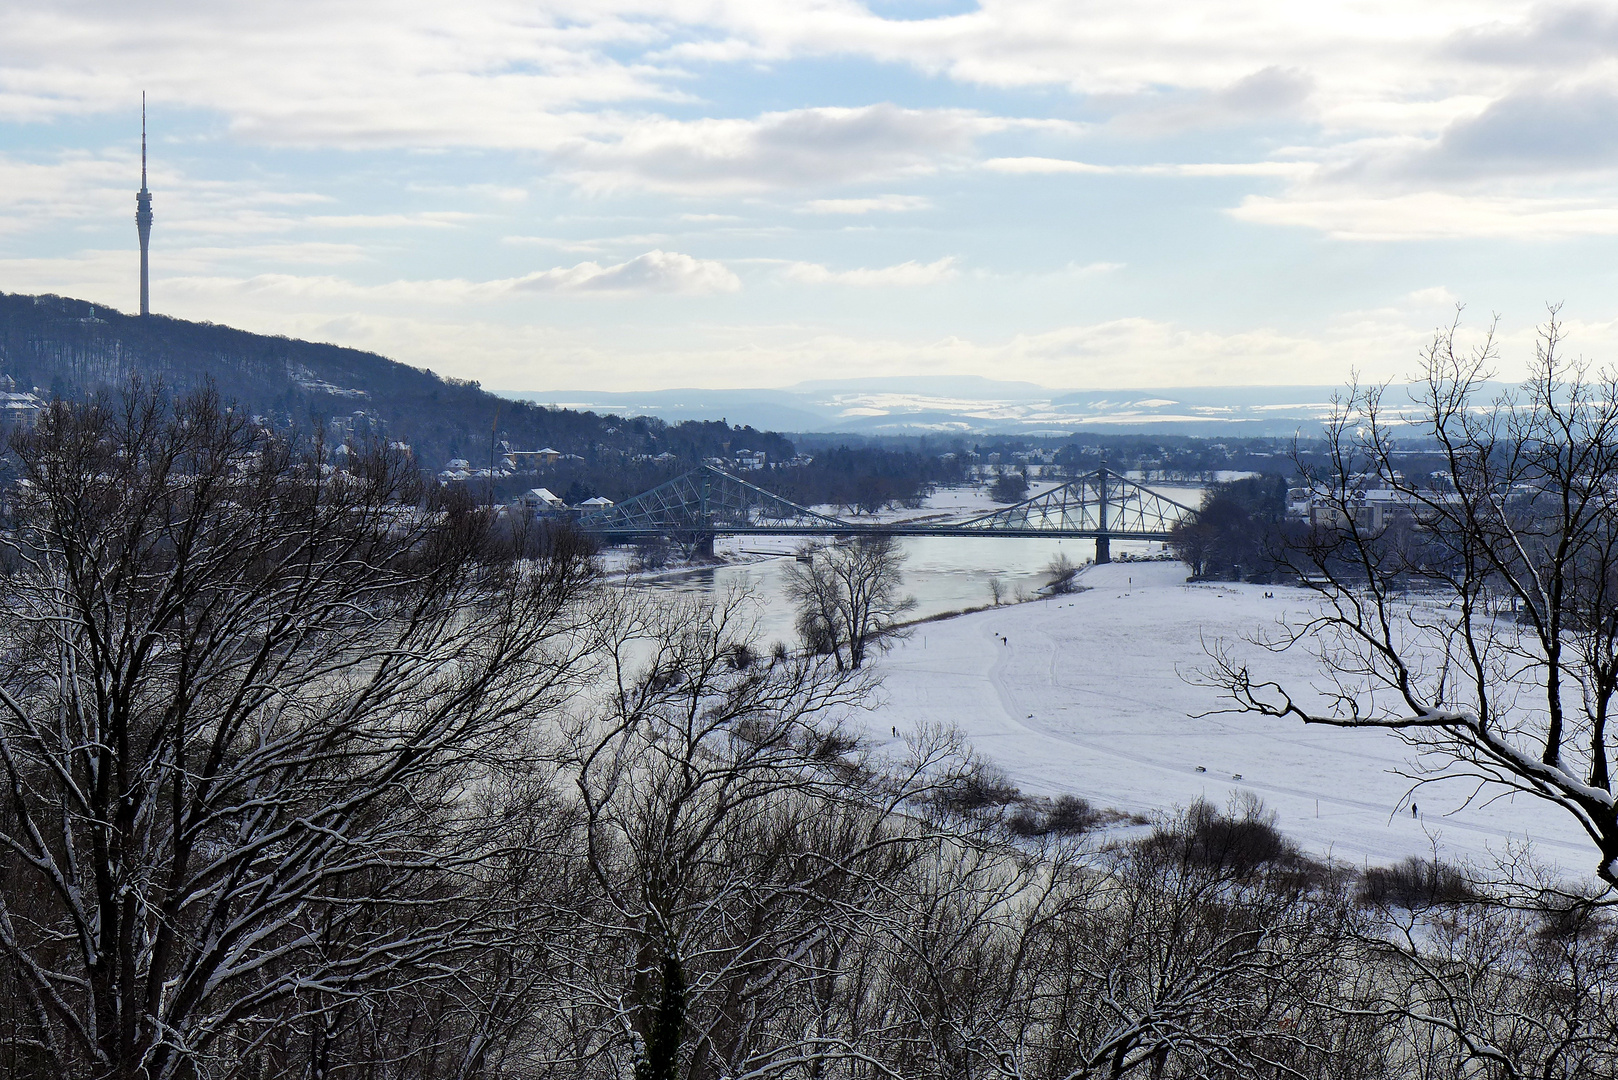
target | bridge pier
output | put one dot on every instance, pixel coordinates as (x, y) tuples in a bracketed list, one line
[(1103, 549), (703, 549)]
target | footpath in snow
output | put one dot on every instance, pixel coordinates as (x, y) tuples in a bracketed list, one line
[(1087, 694)]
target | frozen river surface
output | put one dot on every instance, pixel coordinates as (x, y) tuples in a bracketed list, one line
[(944, 574)]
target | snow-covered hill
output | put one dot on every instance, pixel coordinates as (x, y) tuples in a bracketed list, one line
[(1088, 694)]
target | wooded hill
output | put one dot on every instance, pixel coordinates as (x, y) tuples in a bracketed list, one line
[(72, 348)]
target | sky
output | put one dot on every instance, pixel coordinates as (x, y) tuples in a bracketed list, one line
[(640, 194)]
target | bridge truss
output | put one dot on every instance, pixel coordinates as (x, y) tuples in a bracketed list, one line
[(697, 505), (1102, 505)]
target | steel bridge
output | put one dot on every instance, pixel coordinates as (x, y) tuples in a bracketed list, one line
[(695, 507)]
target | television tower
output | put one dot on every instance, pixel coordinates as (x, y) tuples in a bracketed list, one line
[(143, 214)]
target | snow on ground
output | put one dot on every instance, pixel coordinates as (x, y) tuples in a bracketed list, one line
[(1086, 695)]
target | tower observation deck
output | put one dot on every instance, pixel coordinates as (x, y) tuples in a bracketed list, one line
[(143, 216)]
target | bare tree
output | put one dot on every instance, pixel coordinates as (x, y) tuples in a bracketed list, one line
[(1483, 621), (737, 839), (1199, 954), (1467, 985), (244, 699), (1202, 950), (849, 599), (1060, 575)]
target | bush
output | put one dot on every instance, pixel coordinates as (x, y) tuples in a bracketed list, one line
[(1241, 840), (1025, 823), (649, 555), (1071, 814), (1241, 843), (1415, 883), (977, 786)]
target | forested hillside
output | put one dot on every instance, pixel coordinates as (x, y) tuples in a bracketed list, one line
[(71, 348)]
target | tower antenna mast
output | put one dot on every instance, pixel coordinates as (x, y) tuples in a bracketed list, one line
[(143, 215)]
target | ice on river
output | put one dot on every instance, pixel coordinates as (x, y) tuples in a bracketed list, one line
[(1085, 694)]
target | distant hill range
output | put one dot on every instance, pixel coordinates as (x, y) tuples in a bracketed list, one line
[(978, 406), (71, 348)]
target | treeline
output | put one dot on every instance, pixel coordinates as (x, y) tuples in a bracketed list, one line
[(1240, 532), (316, 774), (73, 348)]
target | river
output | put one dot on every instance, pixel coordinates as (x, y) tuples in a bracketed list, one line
[(944, 573)]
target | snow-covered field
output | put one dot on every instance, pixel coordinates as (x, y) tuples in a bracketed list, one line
[(1088, 694)]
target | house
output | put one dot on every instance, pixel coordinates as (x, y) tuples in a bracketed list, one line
[(530, 460), (541, 501), (17, 408), (598, 503)]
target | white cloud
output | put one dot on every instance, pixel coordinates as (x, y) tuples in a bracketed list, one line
[(1036, 166), (653, 272), (458, 327), (508, 73), (1087, 269), (429, 219), (1267, 94), (876, 204), (1043, 165), (1433, 215), (904, 274), (1382, 121), (793, 149), (1437, 294)]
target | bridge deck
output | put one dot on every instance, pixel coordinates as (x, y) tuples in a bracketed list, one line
[(887, 530)]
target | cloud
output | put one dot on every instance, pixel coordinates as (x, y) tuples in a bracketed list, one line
[(1265, 95), (656, 272), (1436, 294), (1537, 130), (1044, 165), (364, 73), (794, 149), (429, 219), (455, 326), (1559, 35), (877, 204), (1036, 166), (1555, 132), (653, 272), (904, 274), (537, 75), (1433, 215)]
